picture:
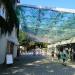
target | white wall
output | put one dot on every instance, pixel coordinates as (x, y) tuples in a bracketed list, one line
[(15, 51), (13, 38), (3, 46), (4, 38)]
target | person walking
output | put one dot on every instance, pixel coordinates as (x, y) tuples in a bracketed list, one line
[(64, 57), (52, 54), (58, 56)]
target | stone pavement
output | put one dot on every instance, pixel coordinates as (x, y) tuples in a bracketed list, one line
[(36, 65)]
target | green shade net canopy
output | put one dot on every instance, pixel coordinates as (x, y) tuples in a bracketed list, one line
[(46, 24)]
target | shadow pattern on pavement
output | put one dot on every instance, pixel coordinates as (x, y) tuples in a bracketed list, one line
[(36, 65)]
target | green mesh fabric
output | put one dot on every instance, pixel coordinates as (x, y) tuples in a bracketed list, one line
[(54, 25)]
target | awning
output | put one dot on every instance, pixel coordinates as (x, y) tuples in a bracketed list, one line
[(13, 37), (66, 42), (54, 26), (73, 40), (14, 40)]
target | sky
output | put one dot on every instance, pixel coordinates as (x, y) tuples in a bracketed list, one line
[(51, 3)]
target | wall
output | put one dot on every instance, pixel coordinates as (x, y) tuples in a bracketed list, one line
[(3, 46), (5, 38), (13, 38), (15, 51), (3, 41)]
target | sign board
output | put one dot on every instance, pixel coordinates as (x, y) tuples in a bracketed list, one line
[(9, 59)]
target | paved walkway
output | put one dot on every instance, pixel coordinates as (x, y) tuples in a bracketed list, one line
[(36, 65)]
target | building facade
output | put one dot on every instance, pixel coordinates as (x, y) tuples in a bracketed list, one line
[(8, 29)]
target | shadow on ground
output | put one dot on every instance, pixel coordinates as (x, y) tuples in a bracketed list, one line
[(36, 65)]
